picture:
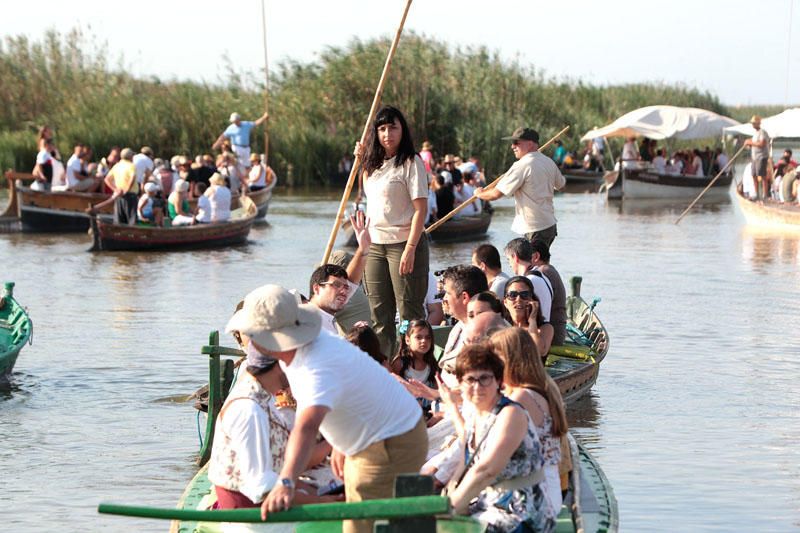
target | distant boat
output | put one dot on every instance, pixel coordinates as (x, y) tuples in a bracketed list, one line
[(648, 184), (580, 180), (16, 329), (65, 211), (108, 236), (457, 229)]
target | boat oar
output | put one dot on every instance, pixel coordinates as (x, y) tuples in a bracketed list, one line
[(266, 82), (357, 162), (366, 510), (721, 172), (489, 187)]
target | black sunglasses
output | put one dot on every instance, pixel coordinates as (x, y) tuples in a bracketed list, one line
[(525, 295)]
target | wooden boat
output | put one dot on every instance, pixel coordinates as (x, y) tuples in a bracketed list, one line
[(580, 180), (646, 183), (64, 211), (770, 213), (460, 229), (109, 236), (16, 329)]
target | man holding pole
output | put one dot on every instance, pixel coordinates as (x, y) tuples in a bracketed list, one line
[(239, 134), (759, 151), (532, 180)]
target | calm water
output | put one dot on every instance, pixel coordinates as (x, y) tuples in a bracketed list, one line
[(694, 418)]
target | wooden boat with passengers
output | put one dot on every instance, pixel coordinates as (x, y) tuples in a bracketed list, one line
[(769, 213), (16, 329), (65, 211), (108, 236), (589, 506), (457, 229)]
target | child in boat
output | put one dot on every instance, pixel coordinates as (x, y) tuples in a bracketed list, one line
[(415, 360), (203, 215), (147, 209), (365, 338)]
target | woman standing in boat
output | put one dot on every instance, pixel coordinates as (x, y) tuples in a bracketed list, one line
[(396, 187)]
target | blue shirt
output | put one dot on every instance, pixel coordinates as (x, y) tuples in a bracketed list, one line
[(239, 135)]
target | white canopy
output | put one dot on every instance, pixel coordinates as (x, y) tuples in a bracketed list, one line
[(785, 124), (665, 122)]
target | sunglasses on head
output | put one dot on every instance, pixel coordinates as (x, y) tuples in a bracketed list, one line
[(525, 295)]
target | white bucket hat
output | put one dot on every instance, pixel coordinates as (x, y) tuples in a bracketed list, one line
[(272, 318)]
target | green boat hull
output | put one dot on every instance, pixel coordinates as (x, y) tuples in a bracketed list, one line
[(16, 329)]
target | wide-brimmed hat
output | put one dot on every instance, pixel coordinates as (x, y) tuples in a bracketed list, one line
[(523, 134), (755, 119), (216, 179), (235, 117), (273, 319)]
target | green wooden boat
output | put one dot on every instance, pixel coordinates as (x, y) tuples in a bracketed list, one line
[(16, 329)]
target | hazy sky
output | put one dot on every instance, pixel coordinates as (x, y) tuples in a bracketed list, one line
[(738, 50)]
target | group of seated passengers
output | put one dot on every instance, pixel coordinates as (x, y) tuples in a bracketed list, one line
[(695, 162), (451, 185), (498, 443)]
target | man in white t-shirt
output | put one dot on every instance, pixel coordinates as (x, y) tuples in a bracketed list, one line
[(143, 161), (532, 180), (374, 425), (519, 253), (331, 286), (660, 162), (77, 178), (487, 258)]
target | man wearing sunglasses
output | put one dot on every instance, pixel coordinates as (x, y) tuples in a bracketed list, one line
[(531, 180)]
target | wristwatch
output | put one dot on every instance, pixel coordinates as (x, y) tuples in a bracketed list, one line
[(288, 483)]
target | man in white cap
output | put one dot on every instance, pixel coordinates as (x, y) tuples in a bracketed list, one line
[(532, 180), (374, 425), (239, 134)]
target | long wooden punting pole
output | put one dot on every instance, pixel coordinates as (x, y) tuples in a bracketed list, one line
[(357, 163), (489, 187), (710, 183), (366, 510), (266, 82)]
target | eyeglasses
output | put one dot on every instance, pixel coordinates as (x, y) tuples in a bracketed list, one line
[(337, 285), (484, 380), (525, 295)]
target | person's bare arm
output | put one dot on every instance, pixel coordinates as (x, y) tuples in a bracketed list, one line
[(260, 120), (298, 454), (417, 225), (488, 195), (218, 143), (355, 269)]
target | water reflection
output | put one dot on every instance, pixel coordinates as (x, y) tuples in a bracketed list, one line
[(585, 413), (763, 246), (666, 206)]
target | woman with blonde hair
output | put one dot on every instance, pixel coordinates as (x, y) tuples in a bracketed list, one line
[(527, 383)]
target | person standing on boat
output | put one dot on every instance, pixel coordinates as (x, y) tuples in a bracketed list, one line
[(122, 180), (375, 426), (239, 135), (396, 187), (532, 180), (759, 153)]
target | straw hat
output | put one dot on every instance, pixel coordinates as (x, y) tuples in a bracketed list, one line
[(755, 119), (273, 319)]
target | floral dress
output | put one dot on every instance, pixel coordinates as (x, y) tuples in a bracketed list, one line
[(509, 511)]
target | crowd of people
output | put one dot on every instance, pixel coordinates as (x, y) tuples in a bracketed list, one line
[(147, 189), (480, 415)]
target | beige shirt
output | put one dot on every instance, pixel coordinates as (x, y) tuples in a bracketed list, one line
[(390, 192), (532, 180)]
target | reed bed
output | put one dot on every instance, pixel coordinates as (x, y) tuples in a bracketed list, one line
[(463, 100)]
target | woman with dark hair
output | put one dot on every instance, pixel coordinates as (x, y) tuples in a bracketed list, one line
[(396, 187), (526, 312), (499, 475), (527, 382)]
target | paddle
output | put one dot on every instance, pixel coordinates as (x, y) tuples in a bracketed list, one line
[(721, 172), (266, 82), (489, 187), (357, 163), (366, 510)]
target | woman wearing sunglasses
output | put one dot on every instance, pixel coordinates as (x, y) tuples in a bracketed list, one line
[(523, 306)]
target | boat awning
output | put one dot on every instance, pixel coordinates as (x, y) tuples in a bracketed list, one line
[(785, 124), (665, 122)]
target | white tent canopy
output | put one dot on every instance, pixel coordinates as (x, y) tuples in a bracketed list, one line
[(665, 122), (785, 124)]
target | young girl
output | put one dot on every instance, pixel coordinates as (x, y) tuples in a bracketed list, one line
[(414, 359)]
